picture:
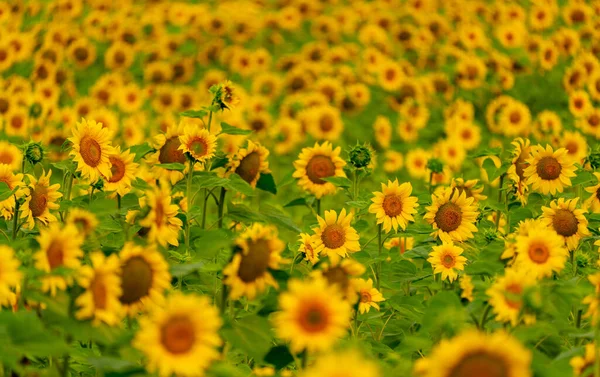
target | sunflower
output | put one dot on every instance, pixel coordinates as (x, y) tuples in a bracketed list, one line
[(349, 363), (382, 129), (576, 146), (469, 188), (566, 220), (592, 300), (162, 221), (10, 276), (10, 155), (167, 146), (85, 221), (506, 296), (250, 162), (584, 366), (342, 274), (102, 284), (306, 247), (325, 123), (144, 277), (549, 171), (515, 118), (230, 97), (475, 353), (452, 215), (579, 103), (123, 171), (249, 271), (393, 206), (446, 259), (39, 200), (313, 315), (393, 161), (467, 287), (176, 340), (313, 164), (334, 237), (92, 149), (14, 182), (541, 252), (58, 248), (17, 122), (369, 296), (416, 163)]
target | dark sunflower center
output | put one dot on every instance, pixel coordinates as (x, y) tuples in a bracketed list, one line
[(177, 335), (81, 54), (119, 57), (90, 151), (256, 262), (170, 152), (258, 125), (448, 217), (39, 201), (6, 158), (548, 168), (515, 117), (326, 123), (337, 276), (448, 261), (392, 205), (55, 254), (249, 167), (318, 167), (136, 280), (565, 223), (117, 169), (313, 318), (333, 236), (538, 253), (83, 223), (17, 122), (99, 293), (480, 364), (365, 296)]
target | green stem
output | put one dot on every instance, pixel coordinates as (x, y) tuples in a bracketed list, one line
[(304, 357), (221, 206), (204, 207), (210, 119), (188, 197), (15, 219), (355, 185), (224, 295), (430, 182), (498, 213), (318, 207), (484, 316), (119, 203), (379, 246)]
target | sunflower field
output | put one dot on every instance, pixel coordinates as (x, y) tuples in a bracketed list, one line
[(310, 188)]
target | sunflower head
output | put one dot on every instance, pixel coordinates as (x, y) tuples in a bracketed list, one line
[(360, 156), (34, 152)]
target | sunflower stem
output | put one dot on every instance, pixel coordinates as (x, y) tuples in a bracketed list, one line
[(221, 206), (430, 182), (304, 358), (119, 204), (498, 213), (318, 207), (379, 245), (205, 204), (224, 294), (15, 219), (484, 316), (188, 192)]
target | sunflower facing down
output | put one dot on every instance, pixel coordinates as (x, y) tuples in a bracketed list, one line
[(198, 142), (248, 273), (474, 353), (10, 276), (144, 277), (315, 163), (369, 297), (452, 215), (123, 172), (334, 237), (40, 199), (250, 162), (541, 252), (567, 220), (393, 206), (102, 285), (549, 171), (446, 259), (92, 149), (162, 220), (58, 248), (470, 189), (181, 337), (13, 181), (506, 296), (312, 316)]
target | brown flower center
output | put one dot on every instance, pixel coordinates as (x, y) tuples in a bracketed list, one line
[(365, 296), (198, 147), (136, 280), (313, 317), (81, 54), (565, 223), (249, 167), (6, 158), (538, 252), (392, 205), (98, 289), (170, 152), (448, 217), (117, 169), (448, 261), (548, 168), (515, 117), (90, 151), (326, 123), (318, 167), (337, 276), (55, 254), (333, 236), (255, 263), (177, 335), (480, 364), (39, 200), (17, 122)]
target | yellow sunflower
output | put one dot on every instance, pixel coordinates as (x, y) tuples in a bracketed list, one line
[(102, 283), (313, 315), (469, 188), (162, 221), (58, 248), (230, 96), (168, 152), (198, 142), (10, 155), (10, 276), (516, 171), (92, 149), (250, 162), (475, 353), (342, 274), (566, 220), (452, 215), (593, 202), (85, 221), (13, 181), (349, 363), (248, 273), (592, 300), (446, 259), (541, 252), (549, 171), (315, 163), (334, 237), (393, 206), (466, 287), (181, 338), (576, 146), (123, 171), (402, 243), (584, 366), (506, 296), (369, 297), (144, 277), (307, 248), (39, 200)]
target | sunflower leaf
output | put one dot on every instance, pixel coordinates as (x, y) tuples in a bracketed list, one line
[(338, 181), (172, 166), (228, 129), (5, 191), (267, 183), (140, 151), (198, 114), (251, 334)]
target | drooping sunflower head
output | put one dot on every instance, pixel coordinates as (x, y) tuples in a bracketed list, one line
[(250, 162), (13, 181), (10, 155), (566, 220), (452, 215), (393, 206), (335, 237), (318, 162), (470, 189), (161, 222), (92, 149), (307, 247), (549, 171)]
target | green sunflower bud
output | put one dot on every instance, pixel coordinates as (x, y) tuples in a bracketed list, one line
[(34, 153), (435, 165), (360, 156), (35, 110)]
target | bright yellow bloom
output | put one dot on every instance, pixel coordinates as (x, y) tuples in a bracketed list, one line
[(10, 276), (549, 171), (567, 220), (40, 199), (92, 149), (198, 142), (452, 215), (446, 259), (335, 237), (393, 206), (506, 296), (541, 252), (315, 163), (369, 296)]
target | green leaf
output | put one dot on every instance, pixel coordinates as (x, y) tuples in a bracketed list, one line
[(140, 151), (65, 165), (277, 217), (180, 270), (199, 114), (210, 242), (236, 183), (5, 191), (172, 166), (242, 213), (251, 334), (219, 162), (338, 181), (486, 152), (113, 364), (267, 183), (280, 357), (231, 130), (204, 179)]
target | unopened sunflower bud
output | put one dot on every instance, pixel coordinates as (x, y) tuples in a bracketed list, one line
[(435, 165), (34, 153), (35, 110), (360, 156), (594, 159)]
